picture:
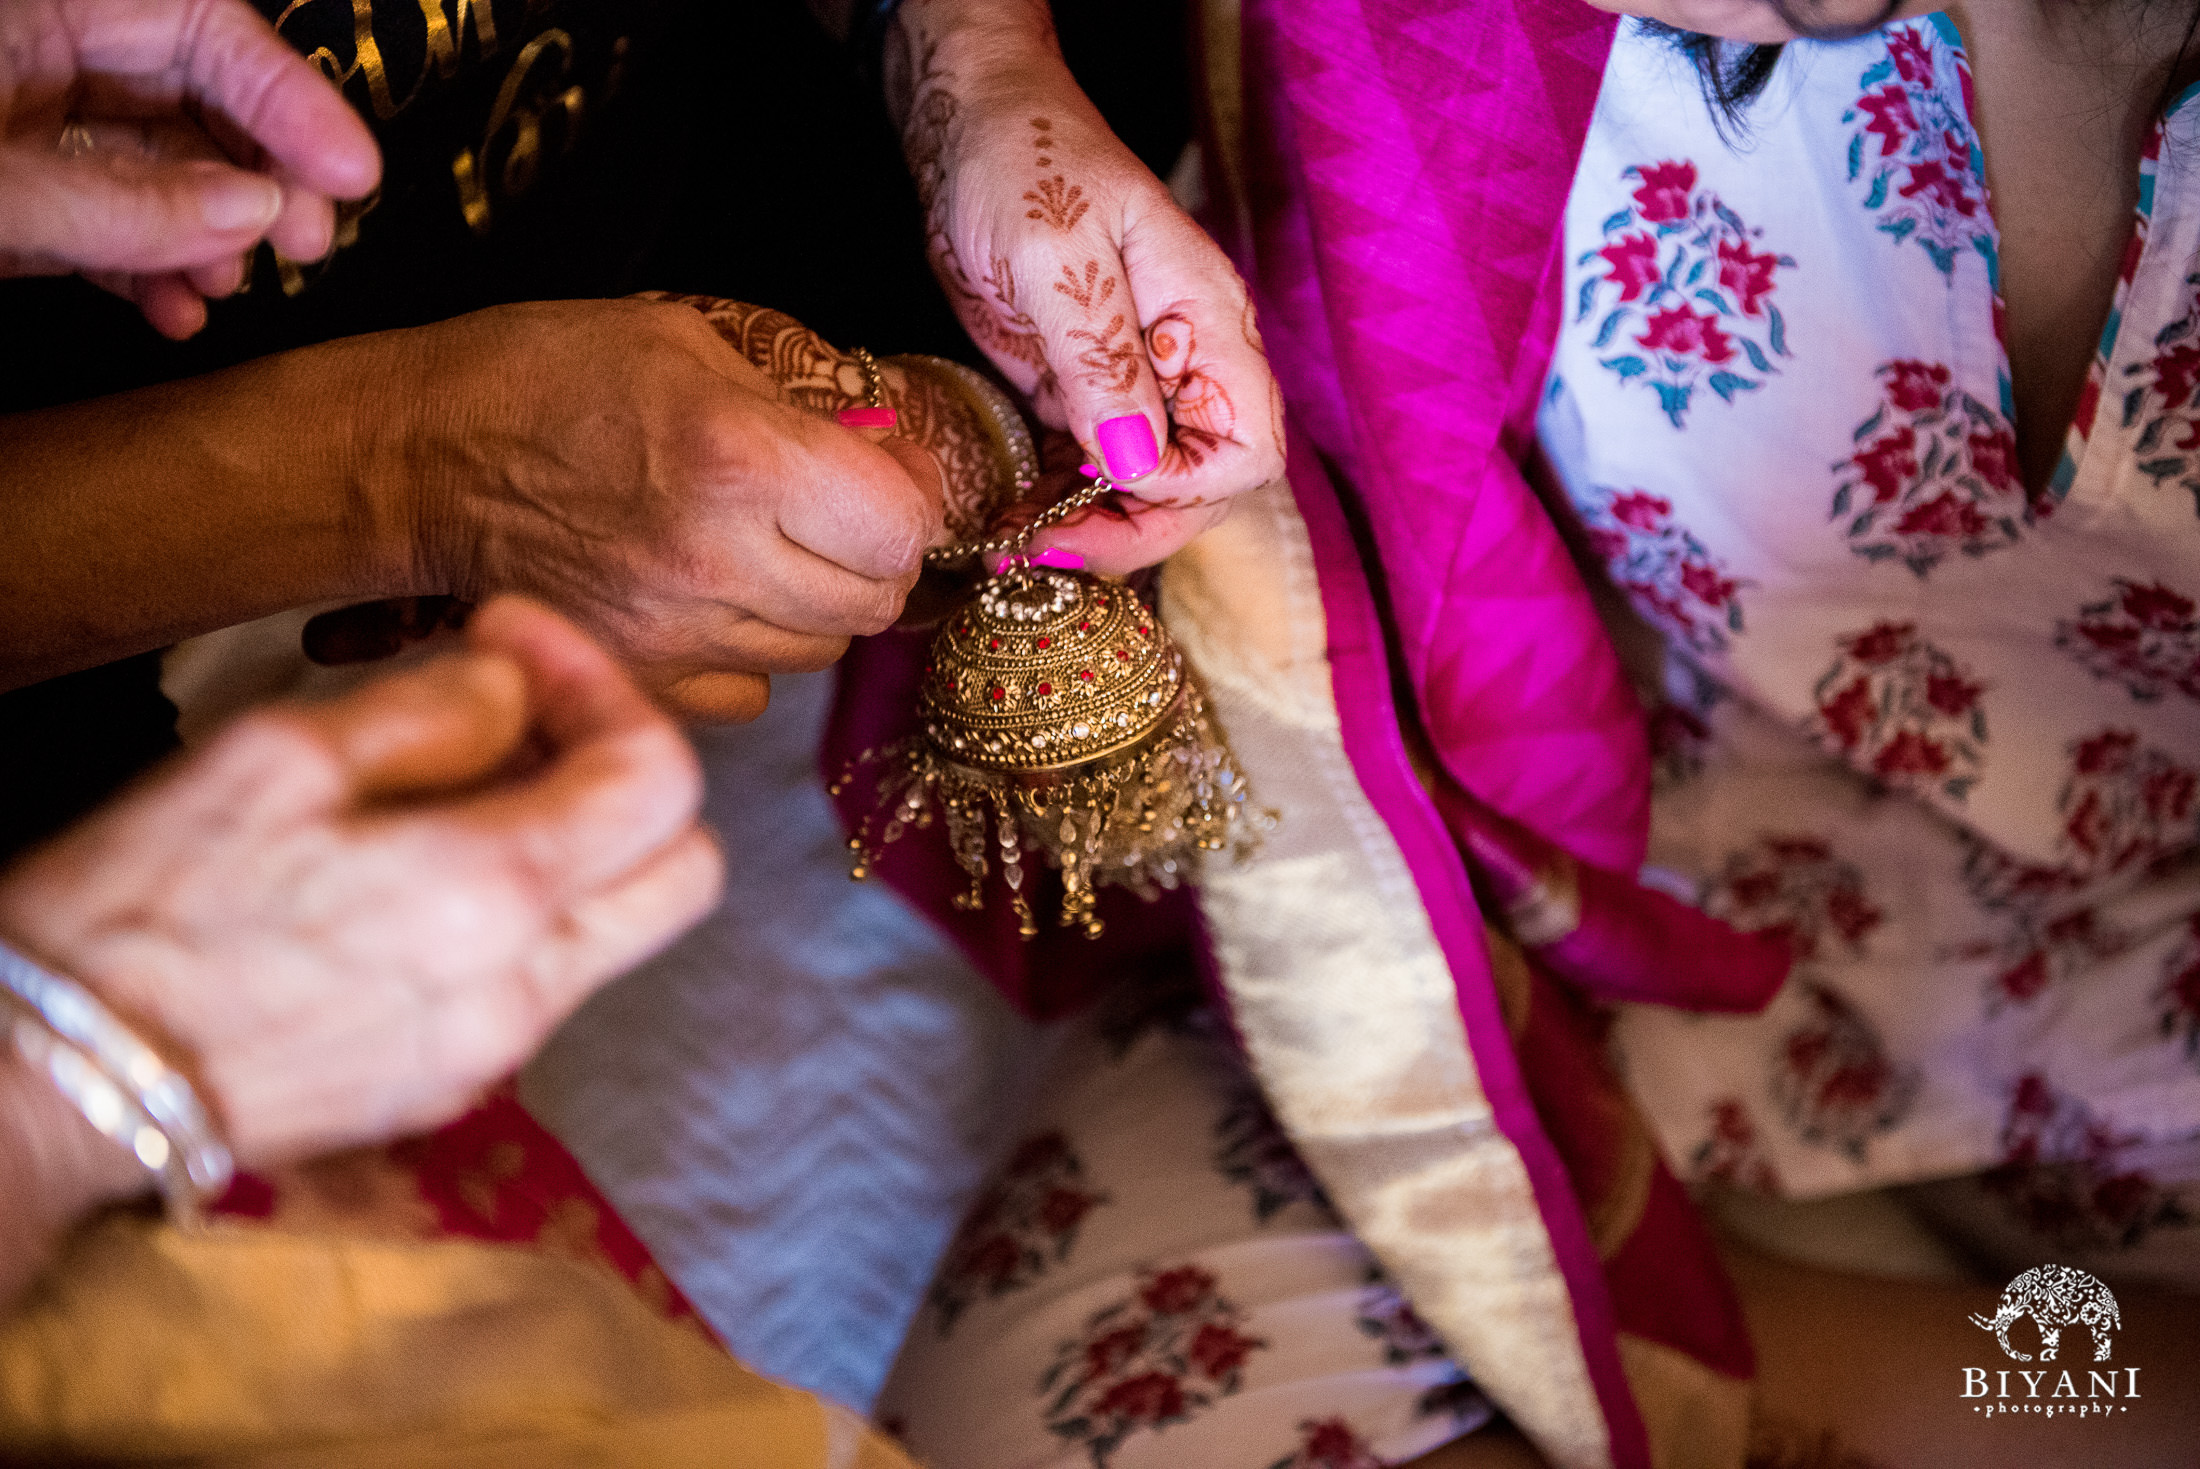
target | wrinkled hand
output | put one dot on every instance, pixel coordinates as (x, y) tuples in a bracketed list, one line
[(150, 144), (1078, 274), (348, 917), (622, 462)]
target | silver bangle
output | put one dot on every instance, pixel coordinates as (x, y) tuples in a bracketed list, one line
[(118, 1082)]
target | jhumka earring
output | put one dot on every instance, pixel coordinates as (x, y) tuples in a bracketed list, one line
[(1057, 717)]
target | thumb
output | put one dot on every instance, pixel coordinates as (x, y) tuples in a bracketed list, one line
[(117, 213), (1091, 330)]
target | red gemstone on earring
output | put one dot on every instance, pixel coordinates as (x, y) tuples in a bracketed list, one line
[(1084, 627), (1124, 654), (994, 644), (1145, 632), (1085, 674), (996, 694), (1046, 688), (1046, 642)]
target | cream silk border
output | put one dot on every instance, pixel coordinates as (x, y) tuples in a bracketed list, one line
[(1344, 999)]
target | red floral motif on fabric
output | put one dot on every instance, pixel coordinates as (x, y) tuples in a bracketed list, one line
[(1898, 708), (2179, 995), (1025, 1222), (1913, 150), (1146, 1363), (1731, 1152), (2072, 1179), (1672, 577), (1933, 474), (2125, 804), (2040, 951), (2145, 636), (1328, 1443), (1252, 1151), (2161, 403), (1833, 1077), (1797, 890), (1686, 289)]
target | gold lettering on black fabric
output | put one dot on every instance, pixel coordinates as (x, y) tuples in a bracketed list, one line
[(534, 97), (445, 34)]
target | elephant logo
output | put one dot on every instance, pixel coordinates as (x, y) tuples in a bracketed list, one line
[(2054, 1296)]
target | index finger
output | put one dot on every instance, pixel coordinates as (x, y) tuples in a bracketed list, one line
[(224, 55), (854, 503)]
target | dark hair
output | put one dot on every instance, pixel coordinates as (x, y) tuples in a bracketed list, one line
[(1732, 75)]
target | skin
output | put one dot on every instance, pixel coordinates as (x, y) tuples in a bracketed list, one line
[(1076, 272), (616, 459), (344, 919), (208, 135)]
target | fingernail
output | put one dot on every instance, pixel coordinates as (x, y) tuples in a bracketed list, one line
[(1127, 447), (239, 202), (867, 417), (1089, 471), (1061, 556)]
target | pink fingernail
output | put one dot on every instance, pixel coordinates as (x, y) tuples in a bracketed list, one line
[(1127, 447), (1089, 471), (1061, 556), (867, 417)]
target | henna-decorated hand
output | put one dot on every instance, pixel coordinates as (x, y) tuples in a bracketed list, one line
[(1077, 273)]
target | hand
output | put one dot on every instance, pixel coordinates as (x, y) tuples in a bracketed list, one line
[(347, 918), (151, 144), (1077, 273), (622, 462)]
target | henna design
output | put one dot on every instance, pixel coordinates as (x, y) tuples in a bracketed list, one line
[(1083, 292), (1201, 416), (1108, 363), (1058, 206), (1060, 202), (998, 325), (1013, 332), (815, 375)]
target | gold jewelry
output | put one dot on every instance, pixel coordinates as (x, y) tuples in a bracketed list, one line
[(874, 382), (1057, 715)]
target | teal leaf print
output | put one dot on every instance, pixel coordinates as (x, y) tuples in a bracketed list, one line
[(1727, 384)]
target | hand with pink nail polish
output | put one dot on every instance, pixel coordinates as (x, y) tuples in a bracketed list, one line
[(151, 145), (1078, 274)]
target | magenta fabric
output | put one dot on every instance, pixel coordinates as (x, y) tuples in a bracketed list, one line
[(1407, 166), (1359, 662)]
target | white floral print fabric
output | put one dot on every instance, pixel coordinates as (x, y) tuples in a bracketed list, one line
[(1940, 729)]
